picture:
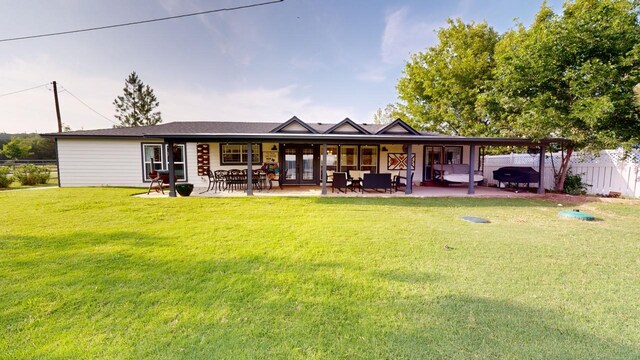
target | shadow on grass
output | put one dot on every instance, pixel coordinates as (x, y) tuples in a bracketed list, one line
[(114, 297)]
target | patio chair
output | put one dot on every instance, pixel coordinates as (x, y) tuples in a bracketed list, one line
[(340, 182), (212, 181), (234, 179), (278, 177), (220, 176), (401, 181)]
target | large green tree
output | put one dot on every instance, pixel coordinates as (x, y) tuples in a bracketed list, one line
[(136, 106), (571, 76), (441, 86), (17, 148)]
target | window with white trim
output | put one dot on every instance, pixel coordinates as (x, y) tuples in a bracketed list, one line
[(156, 154)]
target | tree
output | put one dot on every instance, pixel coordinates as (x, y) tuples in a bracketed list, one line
[(386, 115), (16, 149), (570, 76), (135, 107), (441, 87)]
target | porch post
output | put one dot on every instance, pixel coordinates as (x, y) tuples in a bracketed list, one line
[(407, 189), (541, 169), (172, 169), (324, 169), (472, 162), (249, 170)]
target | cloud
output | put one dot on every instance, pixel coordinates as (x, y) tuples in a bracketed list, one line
[(34, 110), (403, 36), (254, 104)]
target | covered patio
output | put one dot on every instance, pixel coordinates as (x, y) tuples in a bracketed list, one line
[(417, 192)]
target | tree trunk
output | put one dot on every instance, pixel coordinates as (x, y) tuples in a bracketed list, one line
[(564, 167)]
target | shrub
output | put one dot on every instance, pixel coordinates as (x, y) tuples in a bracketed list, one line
[(5, 179), (31, 174), (573, 184)]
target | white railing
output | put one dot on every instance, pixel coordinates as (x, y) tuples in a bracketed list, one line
[(609, 172)]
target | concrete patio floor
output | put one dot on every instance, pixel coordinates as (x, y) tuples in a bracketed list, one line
[(418, 192)]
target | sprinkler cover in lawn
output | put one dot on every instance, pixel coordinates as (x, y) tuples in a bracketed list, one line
[(474, 219), (576, 214)]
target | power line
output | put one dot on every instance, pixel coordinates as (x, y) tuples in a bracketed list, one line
[(23, 90), (141, 21), (85, 104)]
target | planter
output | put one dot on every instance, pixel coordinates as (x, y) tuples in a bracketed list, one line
[(184, 189)]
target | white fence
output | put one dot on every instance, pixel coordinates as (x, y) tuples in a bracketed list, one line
[(610, 171)]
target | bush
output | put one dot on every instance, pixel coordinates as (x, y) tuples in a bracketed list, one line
[(31, 174), (573, 184), (5, 179)]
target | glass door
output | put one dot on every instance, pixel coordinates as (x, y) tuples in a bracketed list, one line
[(301, 164)]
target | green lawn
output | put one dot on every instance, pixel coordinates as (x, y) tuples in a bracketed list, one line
[(96, 273)]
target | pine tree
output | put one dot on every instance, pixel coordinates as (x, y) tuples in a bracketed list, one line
[(135, 107)]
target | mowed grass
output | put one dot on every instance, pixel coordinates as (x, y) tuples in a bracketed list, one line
[(96, 273)]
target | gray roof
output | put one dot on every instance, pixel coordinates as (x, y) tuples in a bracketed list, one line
[(264, 131), (202, 127)]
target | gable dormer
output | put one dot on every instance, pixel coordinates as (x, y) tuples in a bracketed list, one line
[(347, 126), (397, 127), (295, 126)]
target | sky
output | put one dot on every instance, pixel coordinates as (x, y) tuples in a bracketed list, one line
[(320, 60)]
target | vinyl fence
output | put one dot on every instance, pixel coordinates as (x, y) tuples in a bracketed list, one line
[(610, 171)]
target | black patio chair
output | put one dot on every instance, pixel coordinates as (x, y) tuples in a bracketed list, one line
[(220, 176), (339, 182), (401, 181)]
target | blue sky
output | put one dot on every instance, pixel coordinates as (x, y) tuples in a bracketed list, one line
[(320, 60)]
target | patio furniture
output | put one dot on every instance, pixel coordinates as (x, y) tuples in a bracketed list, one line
[(220, 178), (258, 178), (376, 182), (340, 182), (160, 178), (355, 176), (401, 181), (277, 177), (456, 173), (234, 179)]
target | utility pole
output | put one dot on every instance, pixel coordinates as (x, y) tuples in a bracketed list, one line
[(55, 97)]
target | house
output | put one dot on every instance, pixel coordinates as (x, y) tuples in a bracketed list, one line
[(125, 156)]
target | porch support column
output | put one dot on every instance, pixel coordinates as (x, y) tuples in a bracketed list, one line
[(172, 169), (324, 169), (249, 170), (472, 168), (408, 189), (541, 170)]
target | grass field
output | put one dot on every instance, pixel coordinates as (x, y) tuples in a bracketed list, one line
[(96, 273)]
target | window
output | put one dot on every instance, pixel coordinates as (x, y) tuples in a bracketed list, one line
[(236, 154), (369, 158), (157, 154), (348, 157), (332, 157)]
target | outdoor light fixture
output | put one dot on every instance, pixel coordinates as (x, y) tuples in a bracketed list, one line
[(274, 148), (384, 148)]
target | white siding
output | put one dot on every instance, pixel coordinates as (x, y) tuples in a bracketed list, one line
[(100, 162)]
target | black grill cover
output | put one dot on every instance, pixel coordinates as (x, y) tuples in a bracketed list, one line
[(516, 174)]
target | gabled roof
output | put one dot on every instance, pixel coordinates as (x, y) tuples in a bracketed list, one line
[(346, 126), (294, 125), (398, 127)]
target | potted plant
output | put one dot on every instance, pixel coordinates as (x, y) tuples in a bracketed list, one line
[(184, 189)]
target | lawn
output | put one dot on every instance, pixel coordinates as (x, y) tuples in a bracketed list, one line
[(96, 273)]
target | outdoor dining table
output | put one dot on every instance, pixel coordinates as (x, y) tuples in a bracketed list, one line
[(234, 180)]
